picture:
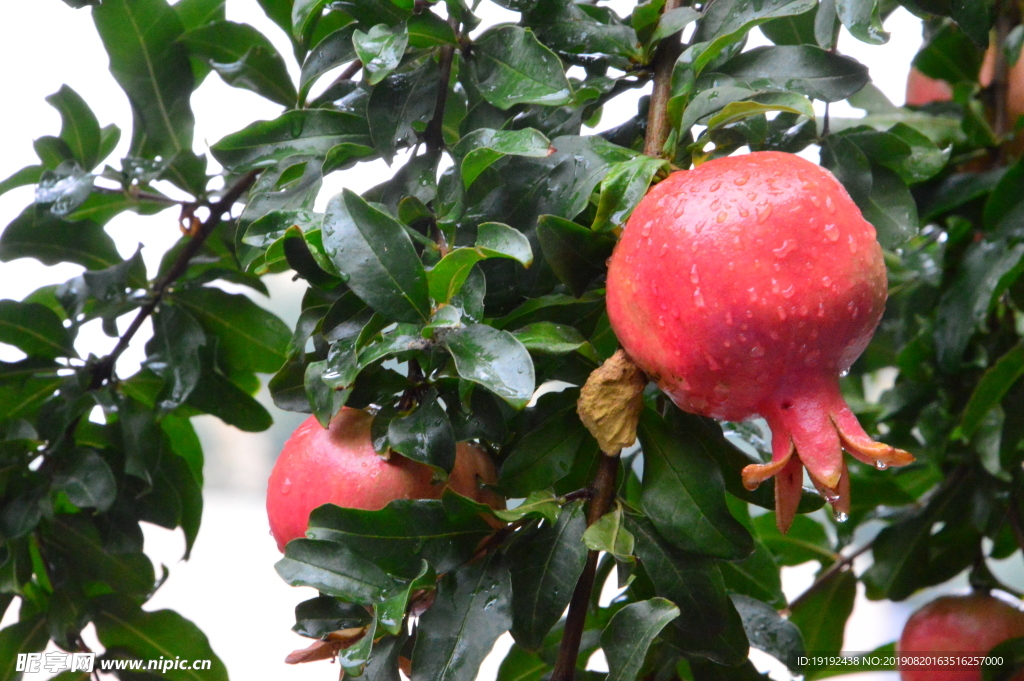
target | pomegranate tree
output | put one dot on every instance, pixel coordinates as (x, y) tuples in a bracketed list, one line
[(971, 624), (746, 287), (338, 465)]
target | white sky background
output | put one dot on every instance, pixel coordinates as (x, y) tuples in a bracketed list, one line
[(229, 587)]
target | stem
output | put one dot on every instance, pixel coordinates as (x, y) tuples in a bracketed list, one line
[(837, 566), (665, 57), (569, 650), (1000, 77), (433, 134), (103, 370)]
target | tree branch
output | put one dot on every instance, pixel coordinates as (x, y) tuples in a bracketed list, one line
[(103, 370), (835, 567), (569, 650), (664, 62), (433, 134)]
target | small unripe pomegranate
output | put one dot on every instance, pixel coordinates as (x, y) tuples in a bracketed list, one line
[(338, 465), (745, 287), (968, 625)]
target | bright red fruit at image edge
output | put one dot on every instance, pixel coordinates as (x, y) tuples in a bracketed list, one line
[(745, 287)]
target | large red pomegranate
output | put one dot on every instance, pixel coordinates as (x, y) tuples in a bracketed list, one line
[(746, 286), (968, 625), (338, 465)]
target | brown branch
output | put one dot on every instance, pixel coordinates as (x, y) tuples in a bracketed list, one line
[(569, 649), (433, 135), (103, 370), (665, 57), (837, 566)]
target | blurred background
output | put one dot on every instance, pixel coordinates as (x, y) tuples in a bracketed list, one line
[(229, 587)]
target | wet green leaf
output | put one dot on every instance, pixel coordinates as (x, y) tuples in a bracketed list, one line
[(622, 188), (481, 148), (310, 131), (512, 67), (35, 329), (79, 127), (806, 69), (380, 49), (630, 633), (494, 359)]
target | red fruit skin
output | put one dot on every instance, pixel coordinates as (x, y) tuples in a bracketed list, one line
[(338, 465), (746, 286), (922, 89), (958, 624)]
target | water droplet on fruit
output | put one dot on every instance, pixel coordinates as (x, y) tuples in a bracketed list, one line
[(743, 337), (844, 373), (803, 310), (828, 204), (785, 249), (812, 357), (764, 211), (831, 232), (698, 298), (757, 351), (775, 285), (694, 276), (664, 250), (773, 335), (742, 179), (646, 229), (721, 217), (728, 318), (286, 486), (699, 226), (752, 196), (714, 186), (853, 243), (753, 294), (840, 517), (782, 313), (661, 321), (826, 281), (788, 291), (881, 465), (816, 201), (744, 212), (727, 344)]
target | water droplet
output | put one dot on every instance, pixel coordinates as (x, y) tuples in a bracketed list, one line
[(828, 204), (803, 310), (752, 196), (753, 294), (826, 281), (764, 211), (743, 337), (721, 391), (697, 228), (831, 232), (727, 344), (840, 517), (721, 217), (712, 364), (788, 291), (744, 212), (698, 298), (286, 486), (714, 186), (881, 465), (844, 373), (852, 242), (782, 313), (816, 201), (728, 318), (694, 276), (646, 229), (757, 351), (775, 285), (742, 179), (661, 321), (785, 249), (664, 250), (812, 357)]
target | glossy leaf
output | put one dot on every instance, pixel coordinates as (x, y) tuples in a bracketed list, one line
[(34, 329), (999, 378), (513, 67), (380, 49), (333, 51), (863, 18), (725, 24), (425, 435), (806, 69), (769, 632), (334, 570), (608, 534), (481, 148), (376, 258), (821, 616), (494, 359), (88, 482), (576, 254), (622, 188), (545, 563), (311, 131), (244, 58), (683, 492), (630, 633), (79, 127)]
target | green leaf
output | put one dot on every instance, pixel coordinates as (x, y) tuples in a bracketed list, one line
[(88, 482), (426, 29), (129, 573), (249, 337), (79, 127), (542, 503), (494, 239), (727, 23), (26, 636), (380, 49), (630, 633), (26, 176), (991, 389), (471, 611), (576, 254), (376, 258), (769, 632), (1010, 656), (244, 58), (683, 492), (425, 435), (806, 540), (494, 359), (1005, 198), (173, 354), (550, 338), (572, 28), (217, 395), (319, 616), (398, 537), (758, 104), (333, 569), (708, 624), (545, 564), (672, 21), (400, 106), (333, 51), (609, 535), (308, 131), (821, 616), (545, 454), (196, 13), (806, 69), (152, 67), (756, 576), (862, 18), (498, 240), (481, 148), (623, 187), (163, 634), (512, 67), (35, 329)]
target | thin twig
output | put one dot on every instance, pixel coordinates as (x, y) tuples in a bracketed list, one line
[(103, 370), (569, 649), (664, 62), (433, 135), (837, 566)]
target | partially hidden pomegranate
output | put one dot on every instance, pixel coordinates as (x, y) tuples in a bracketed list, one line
[(951, 625), (338, 465), (747, 286)]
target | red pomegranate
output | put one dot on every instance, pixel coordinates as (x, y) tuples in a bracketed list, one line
[(338, 465), (968, 625), (747, 286)]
